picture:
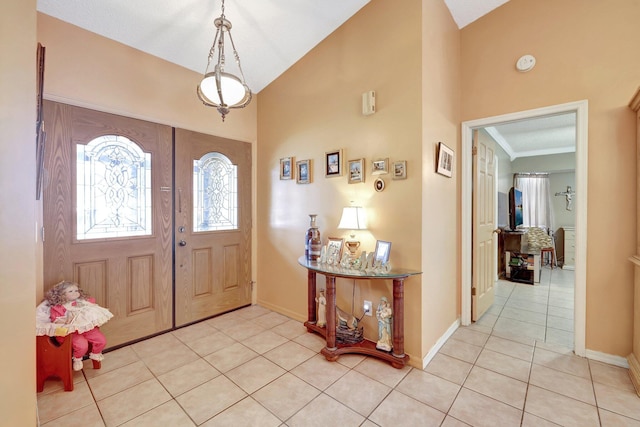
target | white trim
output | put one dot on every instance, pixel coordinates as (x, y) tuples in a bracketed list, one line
[(609, 359), (438, 345), (581, 109)]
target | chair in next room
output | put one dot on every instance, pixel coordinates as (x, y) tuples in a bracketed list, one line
[(539, 240)]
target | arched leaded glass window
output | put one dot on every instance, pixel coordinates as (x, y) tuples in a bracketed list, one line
[(215, 193), (113, 189)]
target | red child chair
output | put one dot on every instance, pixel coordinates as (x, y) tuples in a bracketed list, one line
[(54, 360)]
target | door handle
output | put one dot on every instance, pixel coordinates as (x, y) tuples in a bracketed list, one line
[(497, 231), (182, 243)]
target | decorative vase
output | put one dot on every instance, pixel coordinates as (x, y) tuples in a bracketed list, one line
[(313, 243)]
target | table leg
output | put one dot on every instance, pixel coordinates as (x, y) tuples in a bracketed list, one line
[(398, 318), (331, 312), (311, 297)]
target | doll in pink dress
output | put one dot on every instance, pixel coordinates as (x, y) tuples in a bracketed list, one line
[(78, 313)]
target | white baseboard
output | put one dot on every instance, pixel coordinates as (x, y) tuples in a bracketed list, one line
[(438, 345), (607, 358)]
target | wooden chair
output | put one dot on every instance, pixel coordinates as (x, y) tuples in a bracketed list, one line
[(54, 360)]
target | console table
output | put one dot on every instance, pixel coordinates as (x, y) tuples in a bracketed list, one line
[(333, 350)]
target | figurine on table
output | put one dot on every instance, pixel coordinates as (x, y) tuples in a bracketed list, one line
[(384, 314)]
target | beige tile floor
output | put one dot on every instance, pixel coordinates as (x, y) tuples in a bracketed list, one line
[(265, 370)]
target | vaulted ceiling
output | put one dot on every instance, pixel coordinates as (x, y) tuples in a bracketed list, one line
[(270, 36)]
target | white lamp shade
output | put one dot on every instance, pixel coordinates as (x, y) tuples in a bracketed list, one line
[(233, 91), (353, 218)]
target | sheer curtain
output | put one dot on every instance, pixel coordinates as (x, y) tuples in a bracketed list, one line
[(536, 199)]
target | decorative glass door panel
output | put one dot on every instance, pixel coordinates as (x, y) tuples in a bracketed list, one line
[(113, 189), (213, 225)]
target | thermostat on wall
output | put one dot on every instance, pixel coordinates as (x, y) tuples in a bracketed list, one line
[(525, 63)]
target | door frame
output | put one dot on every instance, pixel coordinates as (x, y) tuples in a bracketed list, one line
[(581, 109)]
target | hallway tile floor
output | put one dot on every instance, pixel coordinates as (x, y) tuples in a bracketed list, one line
[(265, 370)]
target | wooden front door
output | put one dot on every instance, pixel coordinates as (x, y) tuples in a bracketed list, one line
[(110, 205), (213, 225), (484, 224), (94, 231)]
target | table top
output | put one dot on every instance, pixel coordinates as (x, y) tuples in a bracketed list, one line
[(338, 271)]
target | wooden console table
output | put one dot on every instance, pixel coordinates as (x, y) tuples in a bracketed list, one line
[(333, 350)]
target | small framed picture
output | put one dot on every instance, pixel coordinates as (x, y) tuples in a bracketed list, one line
[(356, 171), (445, 160), (286, 168), (333, 163), (378, 184), (303, 171), (400, 169), (380, 166), (383, 249), (334, 249)]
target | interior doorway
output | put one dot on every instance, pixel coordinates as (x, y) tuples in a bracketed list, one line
[(580, 108)]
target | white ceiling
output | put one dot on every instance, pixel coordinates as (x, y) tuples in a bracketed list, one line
[(270, 36), (536, 137)]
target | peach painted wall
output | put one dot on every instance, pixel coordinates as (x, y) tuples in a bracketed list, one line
[(315, 107), (584, 50), (441, 217), (18, 219), (88, 70)]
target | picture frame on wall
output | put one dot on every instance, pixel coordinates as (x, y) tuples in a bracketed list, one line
[(399, 169), (356, 171), (286, 168), (41, 136), (333, 163), (380, 167), (445, 160), (303, 171)]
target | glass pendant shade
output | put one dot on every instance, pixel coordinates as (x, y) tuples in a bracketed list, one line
[(232, 89)]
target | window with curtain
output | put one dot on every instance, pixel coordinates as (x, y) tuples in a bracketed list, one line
[(536, 199)]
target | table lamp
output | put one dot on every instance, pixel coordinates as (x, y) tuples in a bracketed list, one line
[(353, 218)]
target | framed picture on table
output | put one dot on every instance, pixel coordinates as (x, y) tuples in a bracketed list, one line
[(334, 249), (383, 249)]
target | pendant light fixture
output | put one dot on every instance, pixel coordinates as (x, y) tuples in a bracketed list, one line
[(218, 88)]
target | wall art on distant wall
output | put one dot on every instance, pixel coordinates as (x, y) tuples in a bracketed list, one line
[(400, 169), (286, 168), (303, 171), (356, 171), (378, 184), (380, 166), (333, 163), (445, 160)]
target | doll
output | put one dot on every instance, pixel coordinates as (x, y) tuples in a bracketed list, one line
[(78, 313)]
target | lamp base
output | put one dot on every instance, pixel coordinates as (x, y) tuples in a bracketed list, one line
[(352, 246)]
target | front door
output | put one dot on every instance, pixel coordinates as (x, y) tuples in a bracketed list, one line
[(110, 207), (484, 223), (213, 225)]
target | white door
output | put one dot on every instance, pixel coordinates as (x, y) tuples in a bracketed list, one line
[(484, 224)]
